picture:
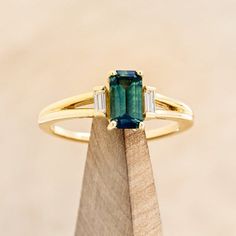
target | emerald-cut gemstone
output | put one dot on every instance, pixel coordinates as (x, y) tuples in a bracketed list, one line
[(126, 99)]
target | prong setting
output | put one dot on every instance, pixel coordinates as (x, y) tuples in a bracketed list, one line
[(140, 73), (112, 125), (141, 125), (112, 73)]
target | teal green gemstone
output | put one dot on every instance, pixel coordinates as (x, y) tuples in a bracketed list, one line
[(126, 99)]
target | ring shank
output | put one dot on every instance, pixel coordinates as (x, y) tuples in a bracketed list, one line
[(72, 108)]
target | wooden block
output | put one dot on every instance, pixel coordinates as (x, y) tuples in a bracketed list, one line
[(118, 194)]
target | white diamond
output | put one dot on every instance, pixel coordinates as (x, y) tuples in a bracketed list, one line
[(149, 97), (100, 100)]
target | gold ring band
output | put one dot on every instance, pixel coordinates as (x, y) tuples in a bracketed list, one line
[(73, 108)]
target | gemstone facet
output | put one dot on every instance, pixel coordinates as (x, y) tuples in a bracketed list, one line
[(100, 100), (126, 99), (149, 97)]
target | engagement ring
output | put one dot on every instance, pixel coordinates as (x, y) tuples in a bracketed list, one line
[(125, 102)]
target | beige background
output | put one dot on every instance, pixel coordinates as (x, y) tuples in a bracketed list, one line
[(54, 49)]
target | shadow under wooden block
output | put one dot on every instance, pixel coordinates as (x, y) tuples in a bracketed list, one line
[(118, 195)]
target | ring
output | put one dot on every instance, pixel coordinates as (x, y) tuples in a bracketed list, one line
[(125, 102)]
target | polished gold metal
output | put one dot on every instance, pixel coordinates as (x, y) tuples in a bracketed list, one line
[(140, 72), (74, 108), (112, 73), (141, 125), (112, 125)]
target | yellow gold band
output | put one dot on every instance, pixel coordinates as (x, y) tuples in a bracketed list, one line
[(73, 108)]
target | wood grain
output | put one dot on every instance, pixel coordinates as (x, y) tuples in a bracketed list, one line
[(118, 195)]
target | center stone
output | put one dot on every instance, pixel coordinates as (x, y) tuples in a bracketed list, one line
[(126, 99)]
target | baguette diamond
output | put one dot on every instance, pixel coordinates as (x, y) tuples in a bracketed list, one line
[(149, 96), (100, 100)]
